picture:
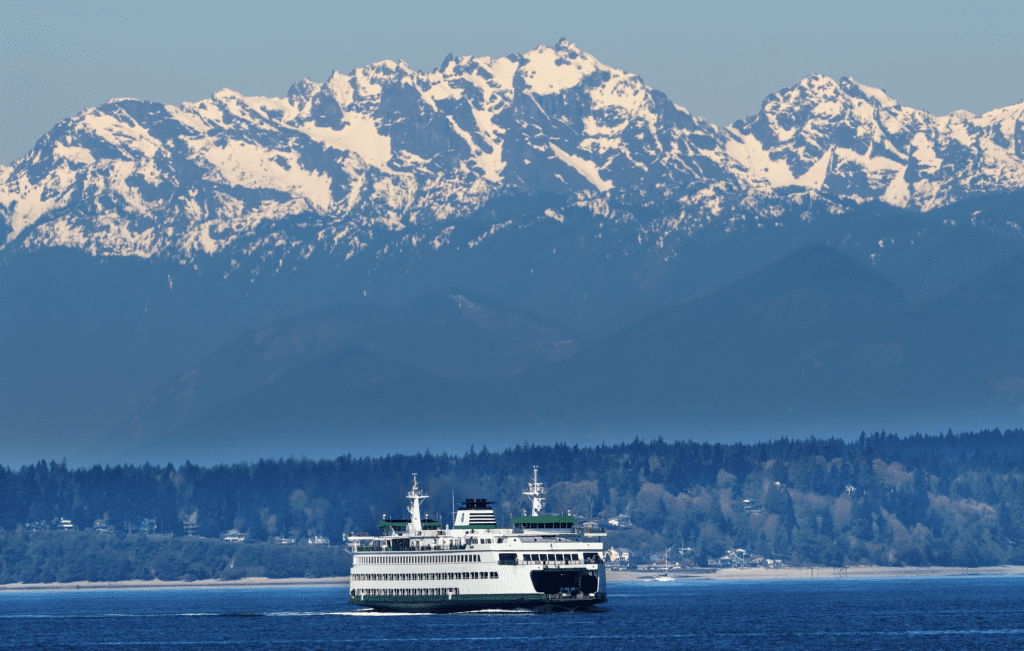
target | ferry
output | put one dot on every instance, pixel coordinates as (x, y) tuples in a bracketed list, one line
[(540, 562)]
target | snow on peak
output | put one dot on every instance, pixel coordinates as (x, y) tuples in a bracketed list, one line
[(854, 140), (304, 89), (553, 70), (876, 95), (389, 147)]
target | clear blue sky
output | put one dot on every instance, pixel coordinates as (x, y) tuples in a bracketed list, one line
[(717, 59)]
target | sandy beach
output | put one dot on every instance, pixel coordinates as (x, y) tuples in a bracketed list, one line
[(731, 574)]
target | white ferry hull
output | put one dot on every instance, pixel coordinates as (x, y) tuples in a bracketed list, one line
[(540, 563), (423, 587)]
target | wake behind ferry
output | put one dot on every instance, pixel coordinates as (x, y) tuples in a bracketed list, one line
[(542, 562)]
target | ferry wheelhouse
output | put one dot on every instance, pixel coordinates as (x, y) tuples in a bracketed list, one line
[(541, 562)]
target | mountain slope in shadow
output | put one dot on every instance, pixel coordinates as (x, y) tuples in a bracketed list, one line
[(453, 335), (814, 342)]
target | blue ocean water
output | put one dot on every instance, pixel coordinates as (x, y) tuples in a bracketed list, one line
[(969, 612)]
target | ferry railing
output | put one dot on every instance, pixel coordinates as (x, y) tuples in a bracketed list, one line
[(425, 548)]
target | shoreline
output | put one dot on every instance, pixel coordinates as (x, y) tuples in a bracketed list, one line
[(729, 574), (155, 584), (790, 573)]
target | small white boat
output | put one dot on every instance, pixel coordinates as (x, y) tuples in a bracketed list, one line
[(665, 576)]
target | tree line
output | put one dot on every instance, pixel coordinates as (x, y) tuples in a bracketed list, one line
[(64, 557), (950, 499)]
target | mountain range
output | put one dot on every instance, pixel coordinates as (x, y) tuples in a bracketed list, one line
[(389, 149), (562, 197)]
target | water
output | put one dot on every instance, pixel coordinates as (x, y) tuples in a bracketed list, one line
[(912, 613)]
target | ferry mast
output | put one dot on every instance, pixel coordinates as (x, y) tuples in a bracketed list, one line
[(535, 493), (415, 496)]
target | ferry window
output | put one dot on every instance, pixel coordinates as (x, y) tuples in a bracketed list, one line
[(575, 557), (559, 557)]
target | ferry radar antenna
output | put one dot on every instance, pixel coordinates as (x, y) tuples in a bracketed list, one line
[(535, 493)]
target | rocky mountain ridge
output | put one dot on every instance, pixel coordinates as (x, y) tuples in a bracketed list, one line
[(387, 158)]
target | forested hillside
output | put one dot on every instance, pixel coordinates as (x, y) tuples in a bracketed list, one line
[(918, 500)]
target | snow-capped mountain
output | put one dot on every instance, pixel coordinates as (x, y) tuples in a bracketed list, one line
[(386, 158), (854, 141)]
